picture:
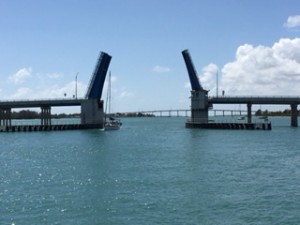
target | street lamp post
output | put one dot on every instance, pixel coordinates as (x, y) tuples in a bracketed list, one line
[(76, 85)]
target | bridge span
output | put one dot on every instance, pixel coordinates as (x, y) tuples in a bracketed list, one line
[(255, 100), (185, 112), (41, 103)]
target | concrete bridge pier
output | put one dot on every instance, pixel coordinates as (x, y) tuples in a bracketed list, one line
[(5, 117), (249, 115), (294, 115), (92, 112), (199, 107), (46, 115)]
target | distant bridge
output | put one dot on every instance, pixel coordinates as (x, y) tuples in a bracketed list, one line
[(187, 112)]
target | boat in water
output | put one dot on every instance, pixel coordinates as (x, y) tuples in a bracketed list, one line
[(110, 123)]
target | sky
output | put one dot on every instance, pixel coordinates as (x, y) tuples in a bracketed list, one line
[(252, 46)]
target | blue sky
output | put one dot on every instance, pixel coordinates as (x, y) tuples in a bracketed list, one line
[(254, 45)]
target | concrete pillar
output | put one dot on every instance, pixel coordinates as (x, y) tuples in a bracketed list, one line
[(249, 116), (5, 117), (1, 117), (294, 115), (92, 112), (199, 107), (45, 115)]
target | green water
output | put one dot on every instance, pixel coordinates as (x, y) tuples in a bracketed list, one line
[(152, 171)]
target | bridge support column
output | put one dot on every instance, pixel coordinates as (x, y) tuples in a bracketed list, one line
[(92, 112), (249, 116), (294, 115), (1, 117), (5, 117), (199, 107), (45, 115)]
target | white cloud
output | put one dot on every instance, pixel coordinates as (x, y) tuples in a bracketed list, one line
[(292, 21), (66, 91), (22, 93), (264, 70), (51, 92), (21, 75), (161, 69), (208, 77)]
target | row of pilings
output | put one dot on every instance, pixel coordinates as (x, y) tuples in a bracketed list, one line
[(32, 128), (231, 126)]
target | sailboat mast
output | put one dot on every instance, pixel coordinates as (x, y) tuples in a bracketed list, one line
[(107, 98), (109, 88), (217, 88)]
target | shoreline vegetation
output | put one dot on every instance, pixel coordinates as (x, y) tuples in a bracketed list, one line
[(29, 114), (286, 112)]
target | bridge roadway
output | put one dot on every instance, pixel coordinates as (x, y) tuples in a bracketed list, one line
[(41, 103), (255, 100)]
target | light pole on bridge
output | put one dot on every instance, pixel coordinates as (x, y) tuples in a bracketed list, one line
[(76, 85)]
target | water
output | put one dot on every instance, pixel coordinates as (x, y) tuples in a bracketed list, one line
[(152, 171)]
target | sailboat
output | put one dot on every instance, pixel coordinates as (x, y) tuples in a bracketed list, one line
[(110, 123)]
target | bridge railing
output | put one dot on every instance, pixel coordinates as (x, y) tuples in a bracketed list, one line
[(259, 97), (40, 99)]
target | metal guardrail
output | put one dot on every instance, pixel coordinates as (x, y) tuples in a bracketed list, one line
[(251, 96), (41, 103), (266, 100), (41, 99)]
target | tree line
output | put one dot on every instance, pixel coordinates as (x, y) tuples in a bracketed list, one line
[(286, 112), (29, 114)]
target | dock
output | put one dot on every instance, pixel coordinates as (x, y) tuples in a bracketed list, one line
[(231, 126), (57, 127)]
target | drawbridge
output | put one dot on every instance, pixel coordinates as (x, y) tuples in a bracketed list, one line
[(97, 80), (200, 103), (92, 115)]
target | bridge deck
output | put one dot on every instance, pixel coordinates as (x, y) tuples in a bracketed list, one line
[(40, 103), (255, 100)]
